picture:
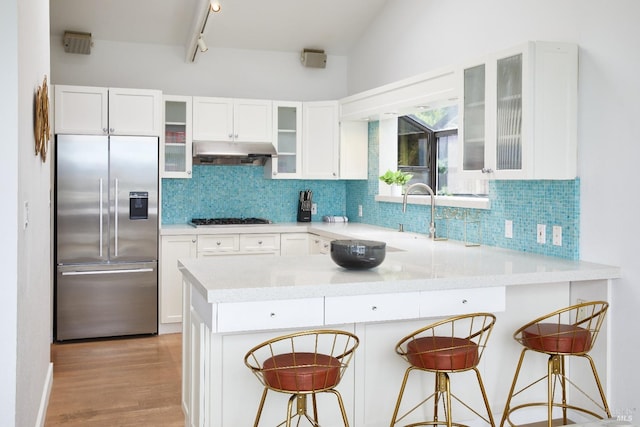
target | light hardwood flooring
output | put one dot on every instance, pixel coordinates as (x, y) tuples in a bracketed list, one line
[(117, 383)]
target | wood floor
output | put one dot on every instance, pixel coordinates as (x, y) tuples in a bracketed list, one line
[(117, 383)]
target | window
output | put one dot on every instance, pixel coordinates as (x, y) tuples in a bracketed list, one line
[(428, 149)]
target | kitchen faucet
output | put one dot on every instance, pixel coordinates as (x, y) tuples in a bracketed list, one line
[(432, 224)]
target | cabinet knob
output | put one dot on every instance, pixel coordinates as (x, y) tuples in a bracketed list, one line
[(464, 301), (188, 172), (218, 243), (272, 315), (259, 242), (230, 136), (111, 130), (374, 308), (193, 240), (105, 130)]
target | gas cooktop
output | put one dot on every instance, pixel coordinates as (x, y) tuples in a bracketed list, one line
[(212, 222)]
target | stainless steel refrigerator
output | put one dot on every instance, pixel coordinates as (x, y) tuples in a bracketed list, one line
[(106, 226)]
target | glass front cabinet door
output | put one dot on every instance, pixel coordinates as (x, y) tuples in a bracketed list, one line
[(177, 152), (287, 129), (519, 113)]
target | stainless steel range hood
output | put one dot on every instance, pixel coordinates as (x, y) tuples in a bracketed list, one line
[(232, 153)]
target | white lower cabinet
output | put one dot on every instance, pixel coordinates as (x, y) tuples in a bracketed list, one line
[(173, 248), (319, 244), (294, 244), (218, 378)]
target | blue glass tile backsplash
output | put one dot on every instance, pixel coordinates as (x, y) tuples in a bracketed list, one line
[(242, 191)]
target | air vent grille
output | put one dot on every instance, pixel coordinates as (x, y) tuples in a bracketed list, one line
[(75, 42)]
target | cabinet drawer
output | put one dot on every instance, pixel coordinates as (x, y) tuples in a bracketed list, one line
[(259, 242), (262, 315), (219, 243), (462, 301), (372, 308)]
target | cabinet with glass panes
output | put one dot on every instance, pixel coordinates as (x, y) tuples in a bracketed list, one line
[(177, 152), (518, 113), (287, 123)]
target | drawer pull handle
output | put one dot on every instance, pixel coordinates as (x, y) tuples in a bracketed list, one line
[(464, 301), (272, 315), (259, 242), (218, 243), (374, 308)]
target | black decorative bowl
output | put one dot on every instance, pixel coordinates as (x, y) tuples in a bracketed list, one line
[(358, 254)]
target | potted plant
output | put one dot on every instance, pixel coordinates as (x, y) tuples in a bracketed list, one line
[(396, 179)]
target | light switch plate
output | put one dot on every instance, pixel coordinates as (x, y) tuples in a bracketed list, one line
[(557, 235)]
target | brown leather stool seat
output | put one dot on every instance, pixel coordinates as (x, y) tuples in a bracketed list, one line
[(556, 338), (301, 372), (443, 353), (451, 345), (302, 364), (568, 332)]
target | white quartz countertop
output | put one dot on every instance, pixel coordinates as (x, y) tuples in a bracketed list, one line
[(412, 263)]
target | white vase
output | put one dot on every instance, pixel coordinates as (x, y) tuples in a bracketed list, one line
[(396, 190)]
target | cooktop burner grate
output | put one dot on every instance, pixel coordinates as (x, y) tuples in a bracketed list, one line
[(203, 222)]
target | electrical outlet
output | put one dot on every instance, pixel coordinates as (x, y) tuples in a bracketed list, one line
[(25, 215), (508, 229), (360, 211), (542, 234), (582, 311), (314, 208), (557, 235)]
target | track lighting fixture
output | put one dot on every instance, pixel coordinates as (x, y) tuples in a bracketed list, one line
[(202, 45), (216, 6)]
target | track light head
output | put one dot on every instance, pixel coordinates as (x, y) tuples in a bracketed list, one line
[(216, 6), (202, 45)]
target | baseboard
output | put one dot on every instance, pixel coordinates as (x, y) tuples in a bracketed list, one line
[(44, 400), (169, 328)]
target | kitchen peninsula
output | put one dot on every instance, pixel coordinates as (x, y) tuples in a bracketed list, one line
[(232, 303)]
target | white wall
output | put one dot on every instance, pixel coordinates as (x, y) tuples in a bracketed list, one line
[(217, 72), (9, 212), (414, 36), (25, 260)]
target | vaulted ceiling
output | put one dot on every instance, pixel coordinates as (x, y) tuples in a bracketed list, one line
[(276, 25)]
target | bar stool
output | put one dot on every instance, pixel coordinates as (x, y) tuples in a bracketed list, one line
[(301, 364), (571, 331), (452, 345)]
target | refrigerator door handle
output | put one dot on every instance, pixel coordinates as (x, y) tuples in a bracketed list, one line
[(115, 216), (83, 273), (101, 217)]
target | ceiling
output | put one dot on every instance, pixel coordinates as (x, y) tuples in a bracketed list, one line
[(276, 25)]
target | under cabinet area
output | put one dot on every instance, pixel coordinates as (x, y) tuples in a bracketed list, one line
[(233, 120), (518, 111), (107, 111)]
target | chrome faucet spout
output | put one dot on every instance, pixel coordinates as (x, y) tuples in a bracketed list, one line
[(432, 224)]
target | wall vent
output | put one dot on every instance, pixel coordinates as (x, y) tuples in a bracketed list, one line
[(75, 42)]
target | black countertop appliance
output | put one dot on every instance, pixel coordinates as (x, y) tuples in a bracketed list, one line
[(304, 206)]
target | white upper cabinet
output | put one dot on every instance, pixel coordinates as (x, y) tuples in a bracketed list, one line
[(177, 154), (354, 150), (320, 140), (518, 113), (103, 111), (227, 119)]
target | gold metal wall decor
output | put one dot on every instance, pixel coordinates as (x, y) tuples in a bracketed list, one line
[(42, 129)]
